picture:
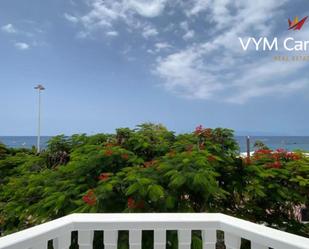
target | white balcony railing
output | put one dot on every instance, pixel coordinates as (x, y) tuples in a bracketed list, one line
[(59, 231)]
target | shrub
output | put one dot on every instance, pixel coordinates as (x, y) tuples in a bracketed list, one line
[(150, 169)]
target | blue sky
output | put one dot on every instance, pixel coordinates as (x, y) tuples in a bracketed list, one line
[(108, 64)]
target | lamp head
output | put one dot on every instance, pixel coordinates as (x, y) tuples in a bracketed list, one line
[(40, 87)]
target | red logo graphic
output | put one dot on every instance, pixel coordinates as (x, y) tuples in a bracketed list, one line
[(295, 24)]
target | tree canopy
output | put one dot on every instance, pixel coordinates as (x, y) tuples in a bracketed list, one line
[(152, 169)]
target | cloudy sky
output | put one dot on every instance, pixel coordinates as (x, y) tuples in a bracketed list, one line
[(117, 63)]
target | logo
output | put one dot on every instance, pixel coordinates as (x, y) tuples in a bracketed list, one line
[(295, 24), (289, 44)]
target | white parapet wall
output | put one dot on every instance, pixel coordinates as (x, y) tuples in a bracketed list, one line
[(59, 231)]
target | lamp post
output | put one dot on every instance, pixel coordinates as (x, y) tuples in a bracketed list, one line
[(248, 148), (39, 88)]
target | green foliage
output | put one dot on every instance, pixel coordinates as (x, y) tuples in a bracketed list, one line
[(150, 169), (3, 151), (276, 184), (260, 145)]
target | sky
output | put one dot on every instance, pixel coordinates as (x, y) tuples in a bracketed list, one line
[(107, 64)]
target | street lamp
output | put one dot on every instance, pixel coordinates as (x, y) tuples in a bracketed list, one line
[(39, 88)]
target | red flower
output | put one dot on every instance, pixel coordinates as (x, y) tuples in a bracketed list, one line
[(247, 160), (277, 156), (211, 158), (256, 156), (125, 156), (108, 152), (147, 164), (198, 130), (202, 146), (263, 151), (276, 165), (103, 176), (280, 150), (90, 198), (190, 148), (292, 156), (150, 163), (133, 204), (140, 204), (208, 132)]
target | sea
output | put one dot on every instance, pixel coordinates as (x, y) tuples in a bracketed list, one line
[(289, 143)]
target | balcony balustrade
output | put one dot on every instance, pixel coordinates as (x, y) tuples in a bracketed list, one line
[(58, 232)]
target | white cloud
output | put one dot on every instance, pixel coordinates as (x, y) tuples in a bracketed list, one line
[(218, 69), (266, 77), (149, 31), (159, 46), (101, 15), (184, 25), (189, 35), (212, 65), (30, 31), (144, 8), (71, 18), (268, 90), (188, 73), (9, 28), (22, 45), (112, 33), (169, 27), (104, 14), (162, 45), (184, 74), (198, 6)]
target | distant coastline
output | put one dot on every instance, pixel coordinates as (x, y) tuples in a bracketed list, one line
[(289, 143), (23, 141)]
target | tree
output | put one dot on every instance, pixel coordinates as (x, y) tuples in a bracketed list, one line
[(150, 169)]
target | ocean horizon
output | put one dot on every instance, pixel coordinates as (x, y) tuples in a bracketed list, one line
[(289, 143)]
